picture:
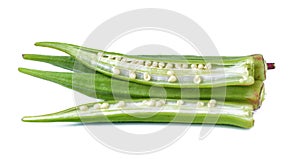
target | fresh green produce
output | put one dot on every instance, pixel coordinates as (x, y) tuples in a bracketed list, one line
[(155, 88), (154, 110), (166, 70), (102, 87)]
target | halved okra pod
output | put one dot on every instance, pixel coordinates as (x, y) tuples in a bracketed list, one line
[(155, 110), (169, 70), (104, 87)]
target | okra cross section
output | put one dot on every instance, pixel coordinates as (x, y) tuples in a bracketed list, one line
[(155, 110), (164, 70)]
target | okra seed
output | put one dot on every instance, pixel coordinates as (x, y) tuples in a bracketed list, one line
[(141, 62), (158, 104), (110, 57), (179, 102), (154, 64), (144, 102), (104, 106), (121, 104), (177, 65), (118, 58), (124, 59), (163, 101), (161, 65), (200, 66), (147, 76), (148, 63), (132, 75), (170, 73), (83, 108), (211, 103), (208, 66), (197, 79), (97, 106), (150, 103), (185, 66), (169, 65), (200, 104), (116, 71), (193, 66), (172, 79)]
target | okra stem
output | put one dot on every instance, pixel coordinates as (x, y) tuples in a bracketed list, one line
[(154, 110)]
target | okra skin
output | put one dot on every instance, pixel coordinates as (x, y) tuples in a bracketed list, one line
[(225, 70), (107, 88), (152, 114)]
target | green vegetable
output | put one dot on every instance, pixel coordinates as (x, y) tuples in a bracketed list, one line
[(104, 87), (165, 70), (154, 110)]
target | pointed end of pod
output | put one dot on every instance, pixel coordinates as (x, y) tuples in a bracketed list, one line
[(29, 119)]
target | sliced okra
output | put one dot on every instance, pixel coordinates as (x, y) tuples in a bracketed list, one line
[(153, 70), (154, 110)]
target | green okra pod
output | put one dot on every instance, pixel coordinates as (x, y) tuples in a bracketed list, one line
[(155, 110), (166, 70), (104, 87)]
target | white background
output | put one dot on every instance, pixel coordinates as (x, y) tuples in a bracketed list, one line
[(236, 28)]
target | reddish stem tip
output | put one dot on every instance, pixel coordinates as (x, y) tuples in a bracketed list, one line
[(270, 66)]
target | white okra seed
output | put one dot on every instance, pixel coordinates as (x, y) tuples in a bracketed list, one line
[(241, 80), (177, 65), (118, 58), (197, 79), (140, 62), (212, 103), (121, 104), (170, 73), (132, 74), (161, 65), (199, 104), (110, 57), (158, 103), (208, 66), (163, 101), (179, 102), (97, 106), (147, 76), (154, 64), (115, 71), (144, 102), (124, 59), (150, 103), (194, 66), (172, 78), (148, 63), (169, 65), (83, 108), (200, 66), (104, 106), (185, 66)]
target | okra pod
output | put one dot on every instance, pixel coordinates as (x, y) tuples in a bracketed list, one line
[(167, 70), (155, 110), (103, 87)]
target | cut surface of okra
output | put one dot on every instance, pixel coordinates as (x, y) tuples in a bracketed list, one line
[(165, 70), (103, 87), (155, 110)]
